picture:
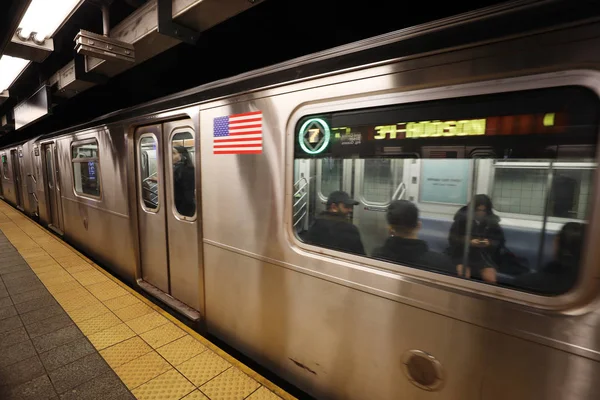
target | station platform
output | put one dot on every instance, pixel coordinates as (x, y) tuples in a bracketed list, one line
[(70, 330)]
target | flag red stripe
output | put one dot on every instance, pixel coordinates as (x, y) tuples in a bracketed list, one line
[(243, 121), (234, 126), (229, 146), (246, 114), (236, 139), (239, 152), (245, 133)]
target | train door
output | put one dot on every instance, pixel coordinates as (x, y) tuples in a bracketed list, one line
[(16, 166), (167, 213), (53, 195)]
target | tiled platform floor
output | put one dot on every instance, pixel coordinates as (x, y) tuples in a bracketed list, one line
[(69, 330)]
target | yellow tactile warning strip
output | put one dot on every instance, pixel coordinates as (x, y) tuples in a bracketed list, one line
[(153, 353)]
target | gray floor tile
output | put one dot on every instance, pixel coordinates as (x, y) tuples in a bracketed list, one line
[(35, 304), (17, 275), (3, 293), (49, 325), (30, 285), (13, 337), (78, 372), (66, 354), (36, 389), (42, 314), (17, 352), (21, 372), (6, 302), (107, 387), (13, 266), (34, 294), (56, 338), (8, 324), (7, 311)]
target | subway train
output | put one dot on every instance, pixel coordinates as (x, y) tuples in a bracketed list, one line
[(205, 200)]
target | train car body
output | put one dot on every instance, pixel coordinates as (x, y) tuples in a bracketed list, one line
[(341, 325)]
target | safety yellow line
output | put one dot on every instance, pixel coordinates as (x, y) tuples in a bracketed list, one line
[(236, 363)]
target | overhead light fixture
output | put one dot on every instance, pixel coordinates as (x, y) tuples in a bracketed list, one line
[(44, 17), (10, 69)]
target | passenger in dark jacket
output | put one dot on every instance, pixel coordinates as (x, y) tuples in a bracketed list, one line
[(403, 245), (485, 241), (559, 275), (184, 182), (333, 229)]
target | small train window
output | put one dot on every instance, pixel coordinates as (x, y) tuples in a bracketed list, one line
[(495, 188), (184, 175), (4, 166), (86, 168), (148, 151)]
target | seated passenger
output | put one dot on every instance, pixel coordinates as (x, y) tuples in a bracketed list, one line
[(559, 275), (403, 246), (333, 229), (486, 240)]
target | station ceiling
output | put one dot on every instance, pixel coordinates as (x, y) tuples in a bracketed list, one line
[(270, 32)]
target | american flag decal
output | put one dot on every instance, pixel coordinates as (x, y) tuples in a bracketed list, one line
[(238, 134)]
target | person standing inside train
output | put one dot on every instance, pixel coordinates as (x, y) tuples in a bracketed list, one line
[(403, 246), (184, 182), (485, 240), (333, 228)]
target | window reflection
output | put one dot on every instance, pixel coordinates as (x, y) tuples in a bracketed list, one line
[(184, 178)]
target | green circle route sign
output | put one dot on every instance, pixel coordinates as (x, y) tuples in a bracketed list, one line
[(314, 136)]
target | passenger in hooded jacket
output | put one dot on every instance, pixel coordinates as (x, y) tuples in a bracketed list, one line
[(403, 245), (485, 242), (333, 229), (559, 275)]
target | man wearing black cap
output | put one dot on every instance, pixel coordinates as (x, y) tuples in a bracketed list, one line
[(333, 229), (404, 246)]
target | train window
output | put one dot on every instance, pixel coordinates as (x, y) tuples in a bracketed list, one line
[(149, 171), (494, 188), (4, 166), (86, 168), (184, 175), (524, 190)]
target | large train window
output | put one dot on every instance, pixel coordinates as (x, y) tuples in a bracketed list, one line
[(495, 188), (184, 175), (86, 168)]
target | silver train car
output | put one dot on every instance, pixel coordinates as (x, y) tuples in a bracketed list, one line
[(515, 118)]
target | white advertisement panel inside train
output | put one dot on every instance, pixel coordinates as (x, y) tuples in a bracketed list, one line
[(444, 181)]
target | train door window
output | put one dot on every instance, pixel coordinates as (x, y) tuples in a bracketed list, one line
[(331, 176), (86, 168), (184, 175), (4, 166), (504, 198), (149, 172), (378, 183)]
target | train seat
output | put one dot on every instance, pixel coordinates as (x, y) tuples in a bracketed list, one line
[(523, 242)]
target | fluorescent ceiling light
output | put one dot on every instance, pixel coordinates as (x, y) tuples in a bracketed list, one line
[(44, 17), (10, 69)]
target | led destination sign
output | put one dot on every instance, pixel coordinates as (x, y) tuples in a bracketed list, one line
[(315, 134), (492, 126)]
